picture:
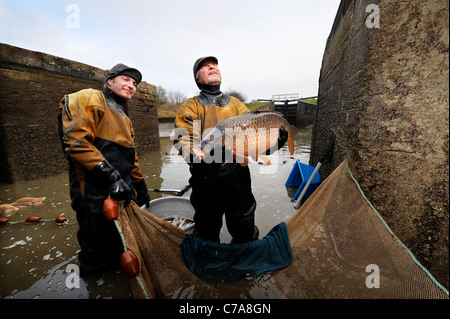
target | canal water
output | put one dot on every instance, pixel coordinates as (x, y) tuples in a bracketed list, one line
[(36, 259)]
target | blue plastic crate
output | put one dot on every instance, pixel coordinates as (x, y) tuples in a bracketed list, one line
[(299, 177)]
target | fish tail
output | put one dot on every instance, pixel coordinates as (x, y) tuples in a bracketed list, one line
[(292, 133), (264, 158)]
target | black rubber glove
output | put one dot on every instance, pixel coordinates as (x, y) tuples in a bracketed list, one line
[(142, 196), (118, 189), (282, 138)]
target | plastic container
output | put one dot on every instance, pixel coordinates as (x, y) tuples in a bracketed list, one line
[(299, 176)]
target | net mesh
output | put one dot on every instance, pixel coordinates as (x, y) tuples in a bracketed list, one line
[(156, 244), (341, 248)]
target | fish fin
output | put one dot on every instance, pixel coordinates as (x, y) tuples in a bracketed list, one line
[(266, 111), (198, 153), (291, 144), (265, 158), (292, 131)]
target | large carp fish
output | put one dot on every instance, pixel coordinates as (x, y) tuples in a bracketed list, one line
[(249, 135)]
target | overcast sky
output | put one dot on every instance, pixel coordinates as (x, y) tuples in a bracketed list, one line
[(264, 47)]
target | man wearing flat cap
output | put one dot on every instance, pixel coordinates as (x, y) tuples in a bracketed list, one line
[(98, 142), (218, 189)]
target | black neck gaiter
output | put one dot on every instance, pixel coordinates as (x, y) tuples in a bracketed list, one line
[(211, 95), (117, 99), (209, 89)]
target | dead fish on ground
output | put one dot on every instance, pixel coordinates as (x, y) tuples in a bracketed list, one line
[(184, 223), (7, 210), (29, 201), (247, 135)]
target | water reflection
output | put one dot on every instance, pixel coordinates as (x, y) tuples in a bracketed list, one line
[(34, 257)]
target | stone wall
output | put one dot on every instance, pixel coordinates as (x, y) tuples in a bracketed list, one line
[(384, 91), (31, 86)]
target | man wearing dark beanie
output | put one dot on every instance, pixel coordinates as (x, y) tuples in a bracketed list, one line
[(98, 142), (217, 188)]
